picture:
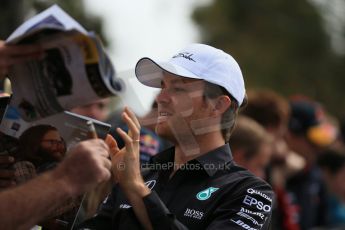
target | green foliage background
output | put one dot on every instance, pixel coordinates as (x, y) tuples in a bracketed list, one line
[(280, 45)]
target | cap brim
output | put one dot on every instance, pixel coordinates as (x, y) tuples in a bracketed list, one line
[(150, 73)]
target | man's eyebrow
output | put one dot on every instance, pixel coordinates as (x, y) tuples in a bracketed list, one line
[(185, 81), (177, 81), (173, 82)]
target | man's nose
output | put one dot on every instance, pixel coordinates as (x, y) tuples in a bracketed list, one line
[(163, 96), (95, 112)]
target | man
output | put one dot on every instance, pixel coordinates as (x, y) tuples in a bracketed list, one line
[(25, 205), (196, 184)]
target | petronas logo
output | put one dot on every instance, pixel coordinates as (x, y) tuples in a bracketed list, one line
[(205, 194)]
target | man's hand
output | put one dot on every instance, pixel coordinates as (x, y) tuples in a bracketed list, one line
[(15, 54), (126, 168), (85, 166), (7, 177), (125, 162)]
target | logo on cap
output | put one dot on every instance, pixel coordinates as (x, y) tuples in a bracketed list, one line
[(185, 55)]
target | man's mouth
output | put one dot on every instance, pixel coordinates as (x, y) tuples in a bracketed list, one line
[(163, 116)]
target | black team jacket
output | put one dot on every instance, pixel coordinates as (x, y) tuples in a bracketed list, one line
[(209, 192)]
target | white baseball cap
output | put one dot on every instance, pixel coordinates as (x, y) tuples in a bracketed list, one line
[(196, 61)]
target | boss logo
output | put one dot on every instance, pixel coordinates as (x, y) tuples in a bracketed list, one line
[(251, 201), (193, 213)]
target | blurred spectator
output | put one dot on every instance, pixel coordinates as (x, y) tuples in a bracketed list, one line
[(309, 134), (42, 146), (332, 163), (251, 146), (309, 128), (98, 110), (272, 111)]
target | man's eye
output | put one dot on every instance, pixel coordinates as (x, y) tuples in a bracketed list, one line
[(177, 89)]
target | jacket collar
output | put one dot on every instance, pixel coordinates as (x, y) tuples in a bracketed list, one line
[(211, 162)]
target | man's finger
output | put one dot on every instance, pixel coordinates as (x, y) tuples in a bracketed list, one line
[(133, 117), (127, 139), (135, 132), (111, 142)]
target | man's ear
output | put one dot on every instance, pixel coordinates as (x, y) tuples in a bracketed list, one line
[(222, 104)]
